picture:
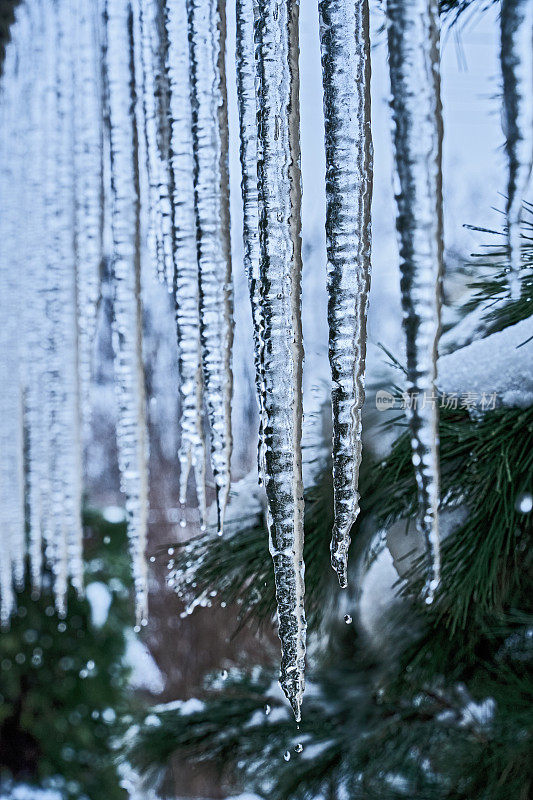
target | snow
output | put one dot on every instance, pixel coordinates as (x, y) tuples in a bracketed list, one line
[(499, 366), (184, 707), (99, 598), (378, 593), (145, 674), (114, 514), (478, 714), (23, 792)]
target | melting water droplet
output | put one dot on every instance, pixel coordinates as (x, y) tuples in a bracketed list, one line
[(224, 674), (267, 710), (287, 755), (299, 747), (347, 619)]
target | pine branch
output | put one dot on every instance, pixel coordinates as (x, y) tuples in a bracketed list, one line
[(491, 288)]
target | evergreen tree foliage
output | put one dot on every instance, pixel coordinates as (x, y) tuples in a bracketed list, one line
[(440, 706), (64, 681)]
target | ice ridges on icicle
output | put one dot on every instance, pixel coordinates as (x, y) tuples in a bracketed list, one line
[(279, 183), (132, 438), (516, 58), (39, 150), (11, 493), (245, 67), (345, 46), (413, 37), (146, 30), (206, 28), (192, 451), (88, 187), (65, 443), (34, 290)]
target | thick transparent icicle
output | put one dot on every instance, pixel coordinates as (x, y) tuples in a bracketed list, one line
[(279, 182), (89, 190), (244, 57), (207, 30), (132, 438), (516, 58), (413, 36), (192, 451), (345, 47)]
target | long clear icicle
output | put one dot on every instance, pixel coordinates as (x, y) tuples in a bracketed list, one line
[(279, 182), (37, 77), (89, 189), (65, 447), (11, 266), (516, 58), (245, 66), (159, 207), (192, 451), (132, 438), (413, 36), (207, 29), (345, 47)]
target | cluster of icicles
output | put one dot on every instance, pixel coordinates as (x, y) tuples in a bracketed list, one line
[(114, 111)]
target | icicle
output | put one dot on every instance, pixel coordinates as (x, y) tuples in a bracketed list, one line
[(61, 392), (11, 496), (159, 210), (276, 41), (35, 320), (206, 27), (132, 437), (345, 45), (192, 451), (244, 58), (162, 94), (52, 529), (517, 71), (89, 190), (416, 110)]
